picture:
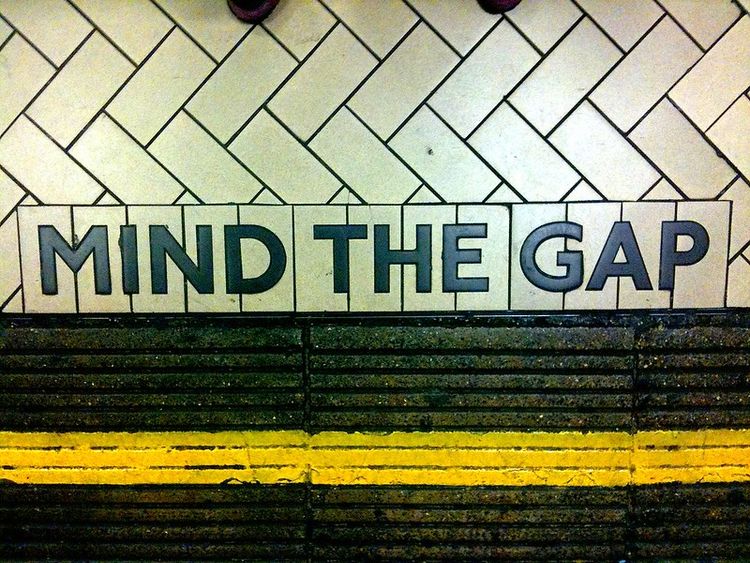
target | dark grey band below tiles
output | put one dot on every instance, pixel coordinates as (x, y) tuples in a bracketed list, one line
[(598, 372), (317, 523)]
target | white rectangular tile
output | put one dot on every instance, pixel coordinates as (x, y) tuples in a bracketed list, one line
[(703, 284), (15, 305), (10, 195), (210, 23), (23, 73), (646, 220), (5, 31), (403, 81), (522, 157), (284, 164), (565, 76), (646, 74), (500, 61), (123, 166), (322, 83), (596, 220), (43, 168), (80, 89), (53, 26), (211, 172), (216, 217), (225, 102), (146, 301), (603, 156), (494, 254), (380, 25), (626, 21), (63, 300), (300, 26), (525, 219), (256, 258), (739, 195), (544, 22), (88, 300), (11, 278), (136, 26), (738, 290), (434, 216), (461, 27), (147, 102), (718, 78), (731, 133), (363, 161), (442, 159), (362, 296), (705, 20), (313, 260), (681, 152)]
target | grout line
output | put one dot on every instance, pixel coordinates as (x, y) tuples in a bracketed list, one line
[(555, 149), (710, 143), (7, 39), (476, 153), (388, 148), (600, 27), (101, 31), (684, 30), (70, 156), (506, 97), (232, 156), (20, 262), (603, 78), (185, 31), (310, 152), (359, 86), (729, 250), (349, 29), (75, 273), (432, 28), (171, 174), (275, 37), (31, 43), (509, 19), (10, 298), (272, 95), (199, 87), (119, 89), (628, 140)]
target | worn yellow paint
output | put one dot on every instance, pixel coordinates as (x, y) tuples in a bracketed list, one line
[(414, 458)]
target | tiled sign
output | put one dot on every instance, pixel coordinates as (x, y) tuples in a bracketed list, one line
[(308, 258)]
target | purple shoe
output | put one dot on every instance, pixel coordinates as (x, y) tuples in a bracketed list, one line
[(498, 6), (252, 11)]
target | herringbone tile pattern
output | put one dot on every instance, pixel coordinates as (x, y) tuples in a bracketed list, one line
[(349, 101)]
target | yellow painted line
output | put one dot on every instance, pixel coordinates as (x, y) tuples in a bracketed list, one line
[(413, 458)]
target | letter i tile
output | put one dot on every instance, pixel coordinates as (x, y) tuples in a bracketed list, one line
[(146, 301), (89, 301)]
